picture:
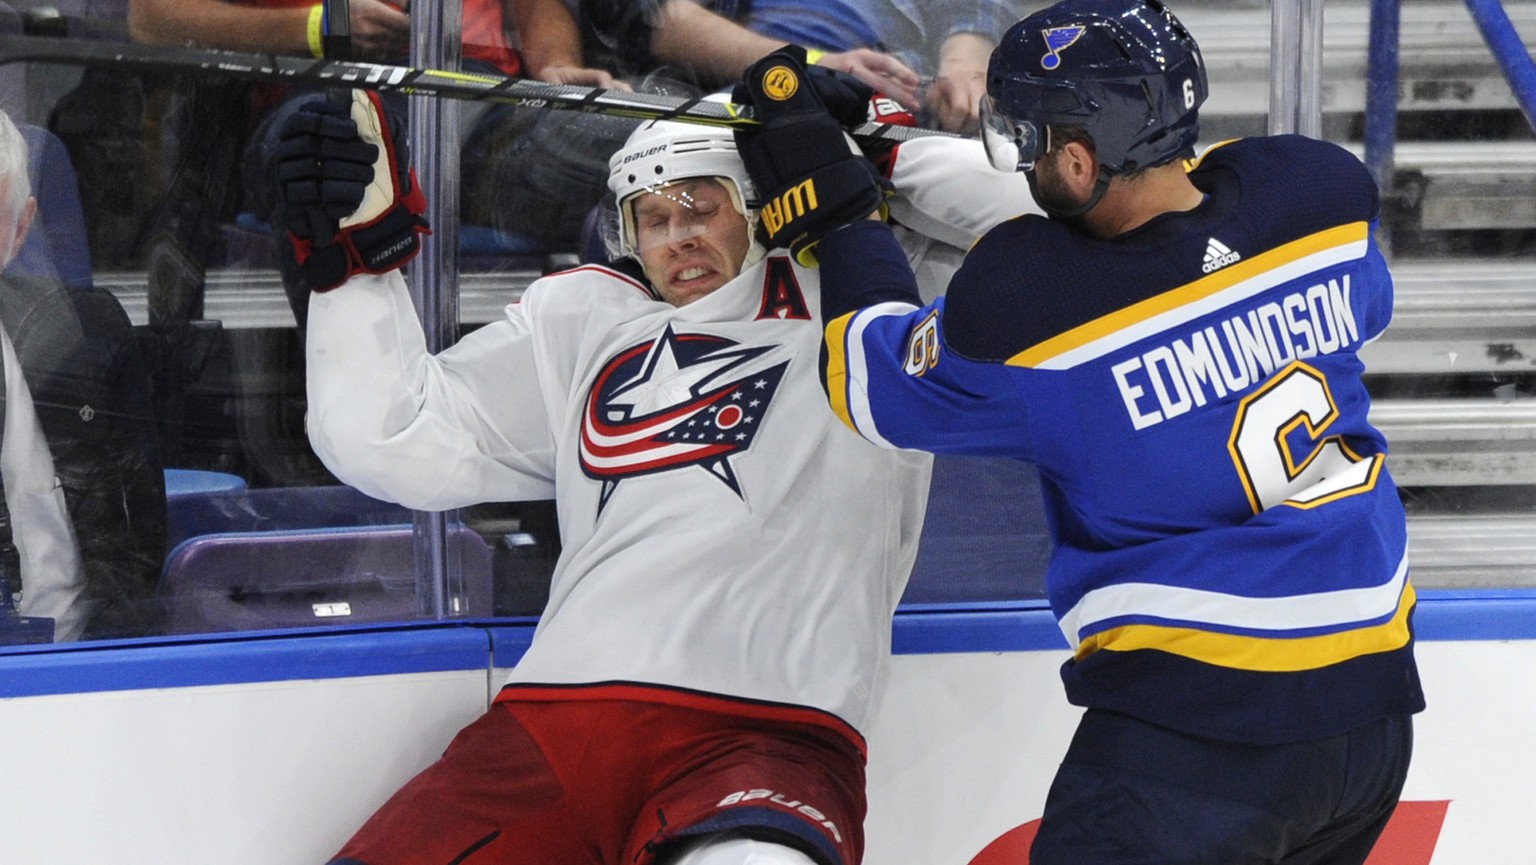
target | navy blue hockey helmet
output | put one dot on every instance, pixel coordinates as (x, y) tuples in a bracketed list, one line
[(1126, 71)]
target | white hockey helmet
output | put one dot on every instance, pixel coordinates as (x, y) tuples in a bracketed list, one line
[(663, 152)]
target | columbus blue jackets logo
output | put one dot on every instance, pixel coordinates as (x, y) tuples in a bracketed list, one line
[(1056, 41), (681, 401)]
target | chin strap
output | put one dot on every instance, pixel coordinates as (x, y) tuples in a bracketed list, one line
[(1070, 213)]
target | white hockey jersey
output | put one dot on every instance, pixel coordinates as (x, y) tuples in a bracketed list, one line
[(722, 531)]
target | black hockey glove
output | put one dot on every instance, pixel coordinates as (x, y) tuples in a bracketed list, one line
[(348, 196), (809, 174)]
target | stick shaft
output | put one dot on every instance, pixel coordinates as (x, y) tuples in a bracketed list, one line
[(402, 79)]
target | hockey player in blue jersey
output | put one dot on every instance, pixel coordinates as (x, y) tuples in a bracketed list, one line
[(1176, 348)]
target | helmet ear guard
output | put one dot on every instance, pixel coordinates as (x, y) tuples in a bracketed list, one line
[(1125, 71)]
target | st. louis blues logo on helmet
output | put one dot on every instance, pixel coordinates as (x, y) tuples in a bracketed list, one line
[(1056, 41), (681, 400)]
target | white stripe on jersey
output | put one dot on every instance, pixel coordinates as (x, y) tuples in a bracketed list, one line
[(857, 384), (1201, 607)]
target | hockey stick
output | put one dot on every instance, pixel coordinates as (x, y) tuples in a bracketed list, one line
[(435, 82)]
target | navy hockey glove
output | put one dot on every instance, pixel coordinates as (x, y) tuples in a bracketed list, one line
[(810, 176), (855, 103), (846, 98), (348, 196)]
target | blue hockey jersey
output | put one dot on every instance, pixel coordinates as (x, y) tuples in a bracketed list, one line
[(1230, 549)]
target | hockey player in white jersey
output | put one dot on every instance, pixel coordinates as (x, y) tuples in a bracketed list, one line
[(718, 625)]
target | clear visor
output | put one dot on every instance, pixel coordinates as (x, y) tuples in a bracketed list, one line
[(671, 213), (1012, 145)]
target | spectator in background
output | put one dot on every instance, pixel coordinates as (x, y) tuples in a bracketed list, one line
[(948, 43), (554, 162), (39, 565), (380, 33), (686, 48), (713, 43), (929, 56), (81, 467), (379, 30)]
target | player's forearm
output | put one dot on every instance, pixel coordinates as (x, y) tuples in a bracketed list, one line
[(862, 265), (215, 24), (693, 37)]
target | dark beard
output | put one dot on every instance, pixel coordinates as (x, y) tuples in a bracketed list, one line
[(1053, 197), (1051, 193)]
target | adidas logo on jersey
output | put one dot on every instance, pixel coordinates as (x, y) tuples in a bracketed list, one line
[(1218, 255)]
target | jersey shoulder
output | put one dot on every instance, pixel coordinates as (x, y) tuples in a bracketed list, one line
[(1297, 185), (1032, 279), (1025, 281), (588, 284)]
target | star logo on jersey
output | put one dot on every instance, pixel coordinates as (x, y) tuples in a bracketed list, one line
[(679, 401), (1057, 39)]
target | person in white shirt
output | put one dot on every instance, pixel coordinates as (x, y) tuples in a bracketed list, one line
[(46, 559)]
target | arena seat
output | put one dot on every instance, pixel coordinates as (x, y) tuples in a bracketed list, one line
[(299, 578), (275, 509), (57, 246)]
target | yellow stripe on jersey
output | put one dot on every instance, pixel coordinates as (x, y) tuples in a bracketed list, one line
[(1175, 306), (1191, 164), (1259, 654), (836, 336)]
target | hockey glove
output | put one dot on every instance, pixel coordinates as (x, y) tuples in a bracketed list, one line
[(348, 196), (809, 174), (846, 98), (855, 103)]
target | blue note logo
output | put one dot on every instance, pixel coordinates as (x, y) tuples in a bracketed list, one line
[(1057, 40)]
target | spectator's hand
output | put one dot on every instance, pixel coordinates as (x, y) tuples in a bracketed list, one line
[(582, 76), (880, 71), (380, 30), (952, 102), (348, 197), (808, 172)]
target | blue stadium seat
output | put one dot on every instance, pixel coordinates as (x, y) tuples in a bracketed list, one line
[(271, 509), (198, 482), (57, 246)]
